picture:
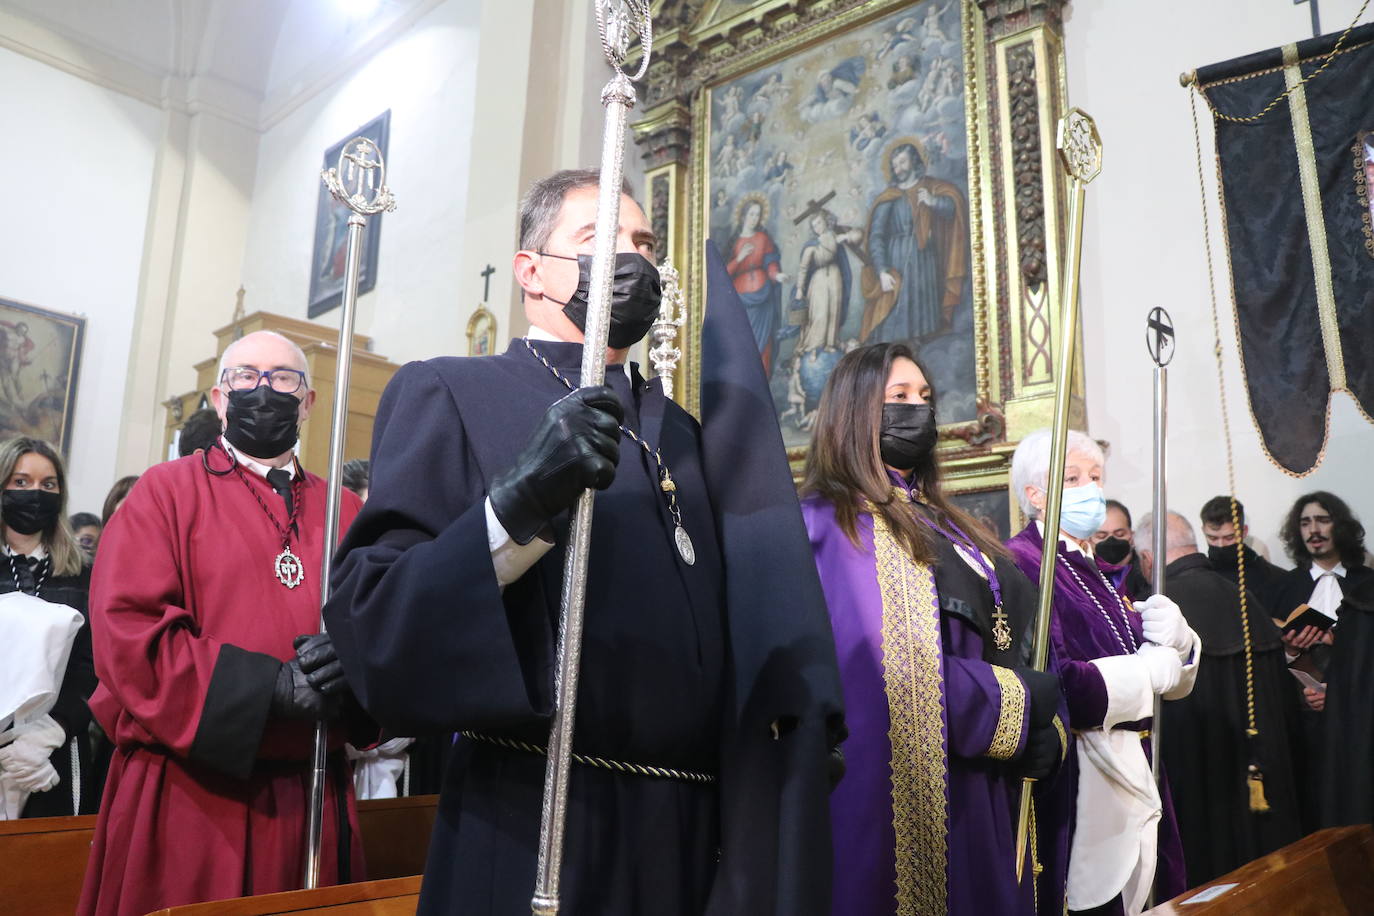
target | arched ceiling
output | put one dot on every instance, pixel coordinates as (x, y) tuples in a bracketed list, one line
[(246, 60)]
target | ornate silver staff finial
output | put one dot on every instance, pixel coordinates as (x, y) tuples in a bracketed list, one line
[(619, 21), (1080, 146), (663, 332), (359, 180)]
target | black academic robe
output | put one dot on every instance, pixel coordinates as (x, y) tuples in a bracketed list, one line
[(72, 759), (1206, 751), (1346, 780), (1294, 589), (1262, 578), (432, 644)]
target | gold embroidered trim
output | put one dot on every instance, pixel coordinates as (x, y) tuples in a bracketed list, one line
[(914, 679), (1006, 737), (1362, 188), (1316, 221), (1063, 739)]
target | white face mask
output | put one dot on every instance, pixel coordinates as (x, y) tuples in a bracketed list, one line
[(1082, 510)]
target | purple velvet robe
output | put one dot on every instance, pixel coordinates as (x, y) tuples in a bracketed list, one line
[(979, 869), (1079, 634)]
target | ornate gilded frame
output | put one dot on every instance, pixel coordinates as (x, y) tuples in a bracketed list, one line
[(1015, 92)]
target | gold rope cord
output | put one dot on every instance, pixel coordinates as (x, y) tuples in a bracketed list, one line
[(914, 680), (1329, 58), (1254, 776)]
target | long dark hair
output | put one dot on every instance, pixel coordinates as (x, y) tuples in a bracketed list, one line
[(845, 466), (60, 543), (1346, 531)]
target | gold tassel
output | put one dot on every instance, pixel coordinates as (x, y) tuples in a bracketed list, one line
[(1255, 780)]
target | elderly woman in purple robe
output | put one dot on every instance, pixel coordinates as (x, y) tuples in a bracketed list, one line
[(1106, 829), (929, 616)]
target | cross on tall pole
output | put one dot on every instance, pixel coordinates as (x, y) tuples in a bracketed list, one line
[(486, 281)]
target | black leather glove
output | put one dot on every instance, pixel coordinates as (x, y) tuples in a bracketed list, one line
[(1041, 755), (294, 698), (575, 446), (320, 663), (1042, 694)]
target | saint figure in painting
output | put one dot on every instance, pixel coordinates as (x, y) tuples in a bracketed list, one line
[(918, 252), (823, 284), (755, 266)]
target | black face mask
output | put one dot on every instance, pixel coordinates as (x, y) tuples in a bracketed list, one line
[(636, 294), (1113, 550), (262, 423), (907, 436), (1222, 557), (30, 511)]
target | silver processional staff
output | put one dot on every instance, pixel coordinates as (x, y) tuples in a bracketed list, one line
[(358, 182)]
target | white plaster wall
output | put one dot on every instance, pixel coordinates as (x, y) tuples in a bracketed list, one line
[(1143, 247), (427, 77), (79, 165)]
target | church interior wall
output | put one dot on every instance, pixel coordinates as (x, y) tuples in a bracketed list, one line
[(79, 162), (1143, 247), (427, 78)]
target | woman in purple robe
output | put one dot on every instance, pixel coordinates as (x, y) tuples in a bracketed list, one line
[(929, 617), (1106, 830)]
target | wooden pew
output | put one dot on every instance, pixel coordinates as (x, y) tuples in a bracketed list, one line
[(1327, 872), (43, 860), (393, 897)]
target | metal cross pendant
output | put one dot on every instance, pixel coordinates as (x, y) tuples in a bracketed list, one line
[(1001, 633), (289, 568)]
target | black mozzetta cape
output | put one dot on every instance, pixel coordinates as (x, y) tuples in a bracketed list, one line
[(1347, 775), (1206, 750), (726, 666)]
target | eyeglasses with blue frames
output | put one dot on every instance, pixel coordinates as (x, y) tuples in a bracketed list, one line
[(246, 378)]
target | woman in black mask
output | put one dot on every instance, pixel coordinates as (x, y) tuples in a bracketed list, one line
[(43, 559), (930, 617)]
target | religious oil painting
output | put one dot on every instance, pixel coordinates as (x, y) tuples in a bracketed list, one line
[(40, 355), (482, 333), (331, 230), (991, 508), (838, 197)]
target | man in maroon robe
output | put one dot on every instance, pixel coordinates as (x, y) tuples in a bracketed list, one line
[(208, 576)]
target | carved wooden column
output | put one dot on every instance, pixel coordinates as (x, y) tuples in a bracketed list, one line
[(1026, 97)]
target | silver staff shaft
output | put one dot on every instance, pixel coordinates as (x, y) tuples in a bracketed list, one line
[(360, 164), (314, 825), (619, 98), (1161, 532), (1081, 152)]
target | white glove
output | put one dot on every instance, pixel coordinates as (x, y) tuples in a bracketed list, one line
[(39, 780), (1163, 665), (25, 760), (1163, 623)]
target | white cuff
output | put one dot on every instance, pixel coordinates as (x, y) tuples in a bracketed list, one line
[(1129, 693), (509, 559)]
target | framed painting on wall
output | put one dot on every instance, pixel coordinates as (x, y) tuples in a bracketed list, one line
[(842, 189), (40, 360), (331, 230), (482, 333)]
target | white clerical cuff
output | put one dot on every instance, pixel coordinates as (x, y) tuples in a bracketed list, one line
[(1129, 694), (510, 559)]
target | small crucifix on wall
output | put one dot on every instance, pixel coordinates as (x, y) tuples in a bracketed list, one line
[(486, 283), (482, 325)]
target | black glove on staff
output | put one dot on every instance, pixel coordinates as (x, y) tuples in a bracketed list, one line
[(1041, 755), (575, 446), (310, 686)]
